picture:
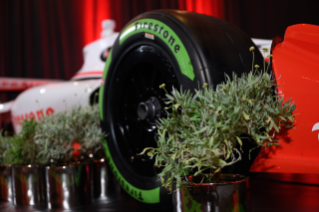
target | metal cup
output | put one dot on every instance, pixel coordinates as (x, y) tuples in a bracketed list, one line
[(231, 195), (68, 186), (6, 183), (28, 185), (104, 184)]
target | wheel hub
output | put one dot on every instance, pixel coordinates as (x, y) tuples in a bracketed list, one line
[(149, 110)]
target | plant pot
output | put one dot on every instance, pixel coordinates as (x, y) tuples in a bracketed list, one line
[(105, 185), (231, 195), (6, 182), (68, 186), (28, 185)]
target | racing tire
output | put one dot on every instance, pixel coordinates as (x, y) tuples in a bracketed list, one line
[(177, 48)]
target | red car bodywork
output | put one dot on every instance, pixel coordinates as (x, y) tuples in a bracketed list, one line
[(295, 65)]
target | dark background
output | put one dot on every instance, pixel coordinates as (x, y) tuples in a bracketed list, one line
[(44, 38)]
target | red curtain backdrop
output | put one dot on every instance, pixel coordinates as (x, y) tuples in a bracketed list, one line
[(207, 7), (45, 38), (40, 38), (124, 10)]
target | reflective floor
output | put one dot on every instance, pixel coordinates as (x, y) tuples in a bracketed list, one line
[(269, 192), (285, 192)]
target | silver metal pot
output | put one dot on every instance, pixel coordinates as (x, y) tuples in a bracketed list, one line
[(104, 184), (231, 195), (28, 185), (68, 186), (6, 183)]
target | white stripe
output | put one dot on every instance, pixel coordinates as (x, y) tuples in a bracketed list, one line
[(315, 127)]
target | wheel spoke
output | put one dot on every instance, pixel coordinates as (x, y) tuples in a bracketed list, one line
[(133, 144), (123, 134), (164, 99), (150, 140), (132, 120), (142, 81), (135, 86), (138, 103), (152, 81)]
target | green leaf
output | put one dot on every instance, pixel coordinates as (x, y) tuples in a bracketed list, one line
[(145, 149), (211, 141), (222, 162), (239, 141), (217, 143), (201, 130), (246, 116), (174, 156), (176, 105)]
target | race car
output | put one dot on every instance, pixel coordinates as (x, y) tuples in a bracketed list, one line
[(185, 49)]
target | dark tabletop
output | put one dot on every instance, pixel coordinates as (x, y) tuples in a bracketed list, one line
[(269, 192)]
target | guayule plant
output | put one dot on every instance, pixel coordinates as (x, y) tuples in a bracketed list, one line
[(22, 149), (5, 145), (66, 136), (204, 131)]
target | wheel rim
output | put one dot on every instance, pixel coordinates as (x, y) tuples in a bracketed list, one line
[(138, 103)]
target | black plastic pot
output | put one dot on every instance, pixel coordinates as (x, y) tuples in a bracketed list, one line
[(231, 195)]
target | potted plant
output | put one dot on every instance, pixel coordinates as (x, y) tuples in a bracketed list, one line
[(5, 169), (28, 182), (88, 136), (71, 136), (205, 132), (70, 141)]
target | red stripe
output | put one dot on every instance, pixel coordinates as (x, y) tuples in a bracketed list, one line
[(13, 89), (10, 84), (89, 73)]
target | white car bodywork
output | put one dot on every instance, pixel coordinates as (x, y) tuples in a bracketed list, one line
[(93, 65), (262, 43), (44, 100)]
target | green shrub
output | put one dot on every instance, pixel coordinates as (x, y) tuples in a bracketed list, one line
[(22, 149), (5, 145), (204, 131), (60, 135)]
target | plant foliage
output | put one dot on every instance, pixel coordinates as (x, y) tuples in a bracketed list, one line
[(204, 131), (21, 149), (5, 145), (56, 134)]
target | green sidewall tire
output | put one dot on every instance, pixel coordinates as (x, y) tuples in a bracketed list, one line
[(200, 49)]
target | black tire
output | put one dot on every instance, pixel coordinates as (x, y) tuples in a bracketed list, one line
[(181, 48)]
